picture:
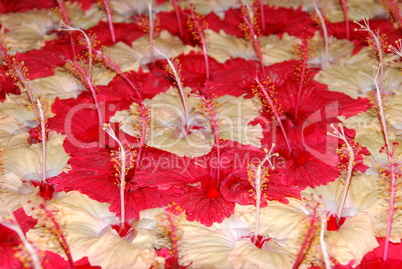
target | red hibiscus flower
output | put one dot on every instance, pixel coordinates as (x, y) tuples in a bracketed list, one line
[(40, 63), (148, 84), (8, 6), (193, 69), (93, 173), (125, 32), (193, 185), (167, 20), (238, 186), (288, 20), (231, 78), (312, 159), (384, 26), (7, 85), (374, 259), (10, 241), (78, 119)]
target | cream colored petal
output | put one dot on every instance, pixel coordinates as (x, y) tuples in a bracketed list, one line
[(371, 195), (80, 202), (193, 145), (80, 229), (246, 255), (278, 221), (328, 195), (15, 193), (205, 7), (85, 224), (10, 126), (26, 163), (210, 247), (288, 226), (364, 56), (44, 18), (363, 122), (233, 223), (28, 36), (379, 215), (374, 141), (353, 240), (169, 45), (84, 19), (167, 129), (124, 56), (148, 217), (102, 75), (17, 141), (223, 47), (29, 30), (356, 10), (277, 49), (339, 51), (124, 10), (126, 122), (371, 136), (378, 210), (349, 80), (12, 134), (233, 107), (168, 107), (235, 116), (56, 157), (363, 194), (113, 252), (287, 4), (394, 112), (151, 224), (19, 108), (208, 251), (368, 123), (62, 85)]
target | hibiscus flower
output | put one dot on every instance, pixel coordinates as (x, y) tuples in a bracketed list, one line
[(87, 226)]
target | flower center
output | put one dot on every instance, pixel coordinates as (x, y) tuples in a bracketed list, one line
[(332, 223)]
